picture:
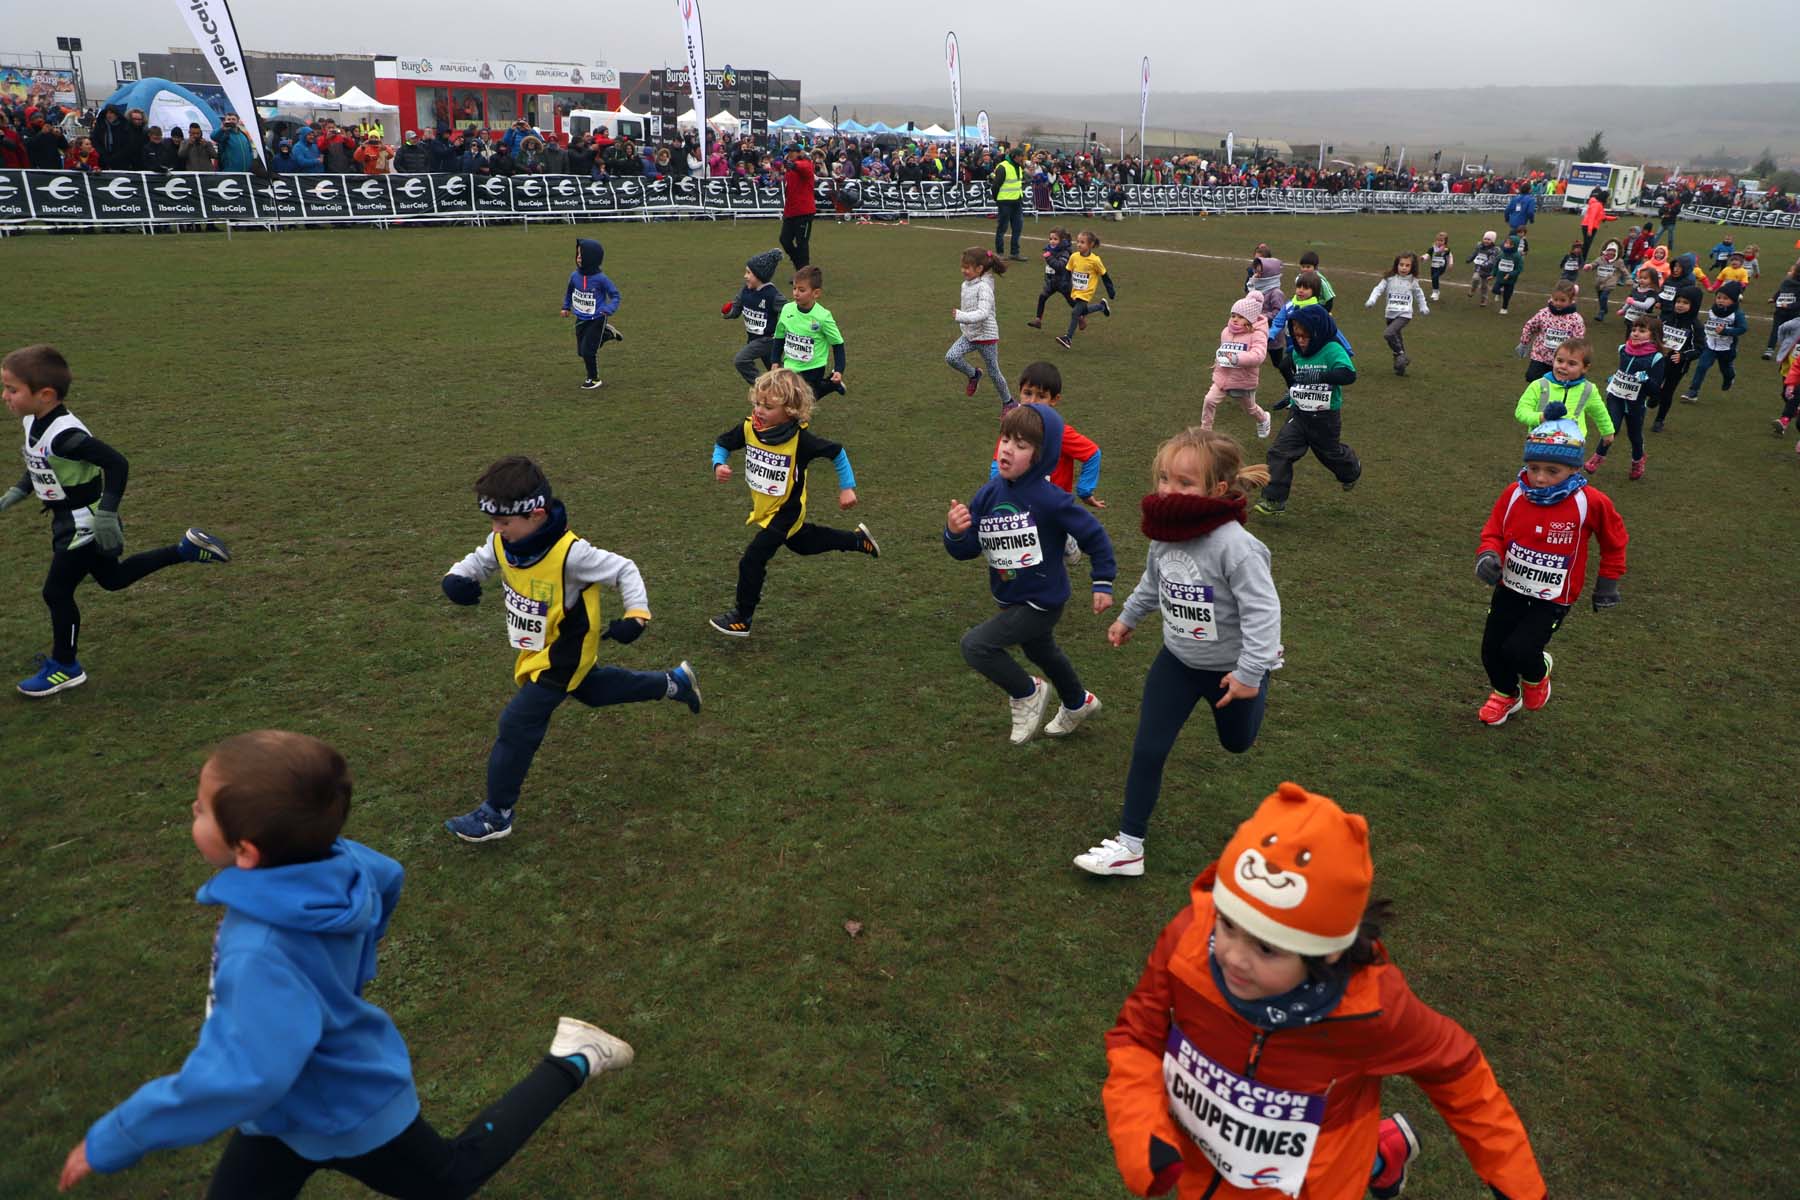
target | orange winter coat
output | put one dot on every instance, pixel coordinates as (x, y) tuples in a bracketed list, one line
[(1380, 1028)]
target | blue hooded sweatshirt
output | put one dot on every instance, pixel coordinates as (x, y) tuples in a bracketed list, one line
[(590, 295), (307, 158), (1028, 520), (289, 1047)]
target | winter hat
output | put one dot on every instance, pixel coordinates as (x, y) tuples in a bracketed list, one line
[(1249, 308), (1297, 874), (1489, 236), (764, 265), (1556, 442), (1731, 288)]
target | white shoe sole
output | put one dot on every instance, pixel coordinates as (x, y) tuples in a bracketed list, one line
[(486, 837), (731, 633), (1066, 721), (1518, 705), (603, 1051), (64, 686), (1129, 868), (875, 552), (1039, 702)]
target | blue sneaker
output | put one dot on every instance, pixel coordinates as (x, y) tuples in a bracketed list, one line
[(54, 677), (485, 824), (687, 686), (197, 545)]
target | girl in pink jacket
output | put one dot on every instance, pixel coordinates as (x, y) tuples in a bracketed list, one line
[(1243, 347), (1549, 327)]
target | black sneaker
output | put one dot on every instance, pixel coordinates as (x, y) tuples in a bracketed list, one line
[(1064, 342), (1656, 428), (1106, 308), (1352, 484), (869, 546), (588, 385), (731, 625), (610, 333)]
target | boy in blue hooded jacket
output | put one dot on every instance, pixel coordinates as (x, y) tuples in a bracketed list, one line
[(311, 1074), (1020, 522), (591, 298)]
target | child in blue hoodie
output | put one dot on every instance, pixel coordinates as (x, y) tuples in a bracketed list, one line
[(310, 1074), (1020, 522), (760, 303), (591, 298), (1723, 326)]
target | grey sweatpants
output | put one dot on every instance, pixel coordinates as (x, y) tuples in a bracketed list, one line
[(759, 354), (1392, 333), (990, 357), (1032, 630)]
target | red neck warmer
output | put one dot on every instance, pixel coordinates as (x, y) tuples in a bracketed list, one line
[(1179, 517)]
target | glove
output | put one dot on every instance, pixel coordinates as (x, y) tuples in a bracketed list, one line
[(725, 308), (1165, 1164), (1487, 568), (1606, 593), (1520, 350), (1280, 404), (461, 589), (625, 630), (15, 494), (1556, 410), (109, 534), (1309, 373)]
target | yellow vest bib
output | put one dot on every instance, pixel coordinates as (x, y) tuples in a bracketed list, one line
[(769, 470), (557, 646), (1012, 181)]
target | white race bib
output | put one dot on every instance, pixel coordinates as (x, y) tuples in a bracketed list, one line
[(1667, 295), (1187, 611), (1716, 337), (1010, 541), (1254, 1135), (526, 620), (1675, 339), (767, 473), (43, 479), (1226, 354), (1571, 264), (1554, 338), (756, 321), (1437, 262), (797, 346), (1484, 260), (1625, 386), (1310, 397), (1506, 266), (1535, 573), (584, 304), (1081, 280), (1399, 306), (1786, 299)]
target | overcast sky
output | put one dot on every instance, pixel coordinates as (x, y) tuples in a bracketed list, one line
[(859, 48)]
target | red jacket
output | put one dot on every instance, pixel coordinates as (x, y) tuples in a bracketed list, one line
[(1379, 1028), (797, 198), (1075, 450), (1550, 562)]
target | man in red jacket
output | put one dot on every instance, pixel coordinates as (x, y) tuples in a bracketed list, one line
[(797, 206)]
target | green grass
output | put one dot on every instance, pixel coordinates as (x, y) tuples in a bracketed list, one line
[(1602, 892)]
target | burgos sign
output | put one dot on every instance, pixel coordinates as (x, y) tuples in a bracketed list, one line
[(547, 74)]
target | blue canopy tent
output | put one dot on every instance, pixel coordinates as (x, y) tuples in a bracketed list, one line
[(788, 122), (879, 127), (168, 104), (854, 126)]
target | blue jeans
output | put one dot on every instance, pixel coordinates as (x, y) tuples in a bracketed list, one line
[(1727, 360), (526, 719), (1171, 691)]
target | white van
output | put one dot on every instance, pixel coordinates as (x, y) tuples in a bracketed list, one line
[(618, 124), (1621, 183)]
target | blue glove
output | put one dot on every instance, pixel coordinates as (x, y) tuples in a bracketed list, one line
[(462, 590), (624, 630), (1606, 593), (1556, 410), (109, 534), (1487, 568), (13, 496), (1520, 350)]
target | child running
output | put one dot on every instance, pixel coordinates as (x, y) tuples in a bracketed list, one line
[(1442, 259), (1552, 325), (1327, 294), (1403, 295), (1057, 249), (1509, 268), (1020, 523), (980, 327), (1680, 340), (80, 481), (1482, 260), (1533, 553), (1644, 297), (1272, 984), (312, 1075), (760, 303), (1209, 579), (811, 345), (1316, 372), (591, 298), (1790, 399), (778, 447), (1565, 391), (1609, 272), (1572, 263), (1086, 274), (1237, 364), (1722, 328), (1786, 305), (551, 582), (1041, 383), (1639, 377)]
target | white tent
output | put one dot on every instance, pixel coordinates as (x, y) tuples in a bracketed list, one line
[(292, 95), (360, 101), (821, 124), (934, 130), (724, 120)]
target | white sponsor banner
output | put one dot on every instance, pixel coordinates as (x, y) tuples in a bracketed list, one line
[(1143, 109), (981, 124), (953, 61), (575, 75), (209, 21), (696, 62)]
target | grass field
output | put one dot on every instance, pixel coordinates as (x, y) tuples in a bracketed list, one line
[(1602, 892)]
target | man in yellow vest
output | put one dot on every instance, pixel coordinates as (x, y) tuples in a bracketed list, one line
[(1009, 194)]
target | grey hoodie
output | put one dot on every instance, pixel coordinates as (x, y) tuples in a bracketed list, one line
[(1218, 602)]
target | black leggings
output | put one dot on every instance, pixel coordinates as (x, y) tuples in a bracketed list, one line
[(753, 568), (1630, 417), (1172, 689), (1512, 644), (1437, 273), (1503, 290), (796, 239), (1077, 310), (1052, 290), (419, 1163), (589, 337), (1672, 377), (69, 567)]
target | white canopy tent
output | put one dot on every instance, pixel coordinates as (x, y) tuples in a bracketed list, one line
[(292, 95), (358, 103), (821, 124), (720, 120), (934, 130)]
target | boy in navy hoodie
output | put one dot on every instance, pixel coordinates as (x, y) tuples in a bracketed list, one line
[(312, 1075), (1020, 522), (759, 302), (592, 298), (1720, 331)]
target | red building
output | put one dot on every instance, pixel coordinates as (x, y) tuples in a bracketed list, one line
[(491, 94)]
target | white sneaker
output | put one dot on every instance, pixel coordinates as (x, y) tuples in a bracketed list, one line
[(1028, 712), (1071, 550), (1066, 719), (1111, 857), (1263, 426), (1434, 296), (603, 1051)]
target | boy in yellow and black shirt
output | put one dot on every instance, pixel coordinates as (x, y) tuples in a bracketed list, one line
[(549, 578), (777, 450), (1086, 275)]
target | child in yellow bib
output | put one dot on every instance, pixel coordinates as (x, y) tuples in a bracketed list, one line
[(549, 579), (777, 448), (1087, 274)]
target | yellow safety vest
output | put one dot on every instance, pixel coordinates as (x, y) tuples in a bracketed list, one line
[(769, 470), (557, 645), (1012, 181)]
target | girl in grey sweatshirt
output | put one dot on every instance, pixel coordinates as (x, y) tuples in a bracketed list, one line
[(975, 317), (1209, 578)]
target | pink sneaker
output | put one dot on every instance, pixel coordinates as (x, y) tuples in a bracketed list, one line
[(1398, 1146), (1637, 467), (1594, 463)]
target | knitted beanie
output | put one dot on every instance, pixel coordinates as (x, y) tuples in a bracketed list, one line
[(1297, 874), (764, 265), (1249, 308), (1556, 442)]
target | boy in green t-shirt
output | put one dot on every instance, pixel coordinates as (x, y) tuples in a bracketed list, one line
[(806, 328), (1317, 371)]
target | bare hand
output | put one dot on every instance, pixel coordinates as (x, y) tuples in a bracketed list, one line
[(847, 498), (1093, 501), (958, 520), (1235, 691), (1102, 602), (721, 472), (837, 377), (1118, 633), (565, 312), (75, 1167)]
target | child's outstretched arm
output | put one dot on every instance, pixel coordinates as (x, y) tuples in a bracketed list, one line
[(1137, 1107), (1139, 604), (958, 525), (723, 446), (1091, 536), (462, 582)]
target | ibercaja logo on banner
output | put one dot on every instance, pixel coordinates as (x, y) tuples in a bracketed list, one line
[(411, 194), (60, 195), (14, 206), (597, 196), (175, 197), (120, 197), (530, 194), (368, 196), (227, 197), (323, 196), (453, 193), (277, 199), (492, 194), (565, 193)]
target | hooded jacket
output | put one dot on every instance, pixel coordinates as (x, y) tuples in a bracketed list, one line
[(1028, 520), (307, 158), (1237, 363), (1554, 538), (1378, 1028), (1521, 210), (1679, 341), (1683, 273), (289, 1048), (1548, 328), (1056, 266), (590, 295), (1326, 362), (1722, 328), (975, 313), (1786, 300)]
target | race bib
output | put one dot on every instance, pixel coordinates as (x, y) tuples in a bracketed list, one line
[(1310, 397), (1535, 573), (1675, 339), (1631, 310), (1082, 280), (798, 347), (1667, 295), (584, 304), (1009, 541), (1484, 260), (1254, 1135), (1625, 386), (1716, 337), (1227, 353), (1049, 270), (1571, 264), (1187, 611), (1437, 262), (43, 479), (1554, 338), (526, 620), (1400, 306), (756, 321), (767, 473), (1786, 299), (1506, 266)]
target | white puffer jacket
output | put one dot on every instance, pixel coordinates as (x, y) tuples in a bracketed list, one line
[(975, 314)]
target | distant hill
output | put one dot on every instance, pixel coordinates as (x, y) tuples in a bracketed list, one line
[(1666, 125)]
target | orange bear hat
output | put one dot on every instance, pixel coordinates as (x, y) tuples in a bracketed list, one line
[(1297, 874)]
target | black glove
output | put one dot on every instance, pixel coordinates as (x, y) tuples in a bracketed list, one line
[(1280, 404), (1487, 568), (624, 630), (1606, 593), (1556, 410), (461, 589), (1165, 1165), (1309, 373)]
